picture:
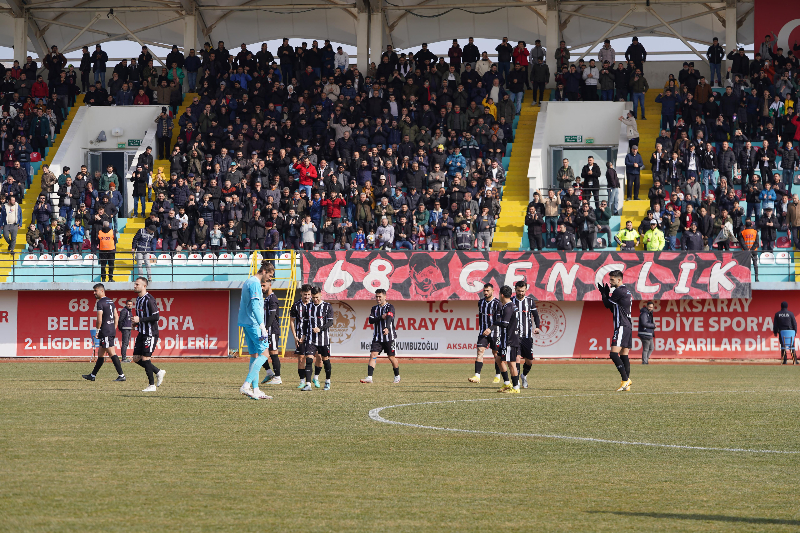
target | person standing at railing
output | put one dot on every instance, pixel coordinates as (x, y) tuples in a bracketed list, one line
[(107, 242), (11, 220), (141, 245)]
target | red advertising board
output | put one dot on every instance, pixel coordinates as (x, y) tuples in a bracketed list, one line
[(778, 19), (740, 328), (57, 323)]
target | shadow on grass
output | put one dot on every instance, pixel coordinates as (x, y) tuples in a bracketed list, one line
[(706, 518), (165, 397)]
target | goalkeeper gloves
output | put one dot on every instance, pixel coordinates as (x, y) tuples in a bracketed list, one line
[(604, 289), (263, 333)]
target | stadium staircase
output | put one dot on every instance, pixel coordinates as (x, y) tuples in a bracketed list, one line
[(511, 224), (33, 191), (649, 130), (124, 267)]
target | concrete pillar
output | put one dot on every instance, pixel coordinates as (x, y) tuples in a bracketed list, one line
[(189, 33), (362, 41), (375, 38), (552, 38), (20, 39), (730, 29)]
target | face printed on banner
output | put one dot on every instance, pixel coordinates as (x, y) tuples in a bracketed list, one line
[(425, 275)]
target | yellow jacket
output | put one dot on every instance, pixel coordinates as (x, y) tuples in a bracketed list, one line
[(490, 108)]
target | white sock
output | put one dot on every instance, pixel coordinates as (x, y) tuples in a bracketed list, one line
[(477, 375), (303, 381), (327, 381), (93, 375), (497, 375), (517, 387), (246, 385), (507, 383)]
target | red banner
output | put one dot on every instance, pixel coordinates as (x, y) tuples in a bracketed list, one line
[(57, 323), (703, 329), (553, 276), (778, 19)]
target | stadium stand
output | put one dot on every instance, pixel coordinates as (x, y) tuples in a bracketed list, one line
[(299, 151)]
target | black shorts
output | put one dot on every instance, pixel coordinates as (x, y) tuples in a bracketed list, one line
[(622, 337), (308, 349), (145, 345), (386, 347), (107, 342), (526, 348), (484, 341), (323, 351), (300, 348), (508, 354)]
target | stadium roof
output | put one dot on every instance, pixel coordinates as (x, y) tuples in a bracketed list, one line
[(71, 24)]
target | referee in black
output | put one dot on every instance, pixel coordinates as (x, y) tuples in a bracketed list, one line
[(526, 309), (320, 318), (506, 336), (125, 327)]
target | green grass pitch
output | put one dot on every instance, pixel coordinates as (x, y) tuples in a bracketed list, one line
[(197, 456)]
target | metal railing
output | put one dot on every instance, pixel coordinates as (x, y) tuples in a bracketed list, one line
[(186, 266)]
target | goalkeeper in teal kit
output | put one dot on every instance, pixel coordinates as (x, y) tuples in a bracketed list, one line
[(251, 320)]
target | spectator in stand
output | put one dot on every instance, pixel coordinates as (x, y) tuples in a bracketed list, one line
[(633, 167)]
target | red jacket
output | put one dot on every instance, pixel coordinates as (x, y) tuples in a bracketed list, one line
[(141, 99), (40, 90), (307, 174), (334, 207), (520, 56)]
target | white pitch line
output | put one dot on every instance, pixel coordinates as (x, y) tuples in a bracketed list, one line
[(374, 414)]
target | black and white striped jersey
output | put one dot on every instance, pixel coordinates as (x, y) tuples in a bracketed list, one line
[(525, 309), (319, 316), (505, 325), (486, 311), (272, 319), (619, 301), (375, 318), (299, 312), (106, 326), (147, 311)]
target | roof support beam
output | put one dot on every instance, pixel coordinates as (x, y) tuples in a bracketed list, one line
[(121, 36), (607, 33), (640, 31), (83, 30), (678, 35), (134, 37)]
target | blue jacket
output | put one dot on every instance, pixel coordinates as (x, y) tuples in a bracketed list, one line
[(3, 215), (192, 63), (630, 159), (668, 104), (768, 198), (77, 233)]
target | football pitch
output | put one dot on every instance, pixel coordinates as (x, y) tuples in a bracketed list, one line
[(691, 448)]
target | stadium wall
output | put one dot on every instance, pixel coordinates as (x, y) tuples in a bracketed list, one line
[(202, 323)]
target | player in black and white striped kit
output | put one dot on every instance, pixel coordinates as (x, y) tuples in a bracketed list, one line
[(298, 314), (381, 316), (618, 299), (107, 319), (486, 309), (526, 309), (146, 324), (506, 335), (320, 319), (272, 323)]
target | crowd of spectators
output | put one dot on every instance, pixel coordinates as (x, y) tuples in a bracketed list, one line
[(713, 187), (299, 149)]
